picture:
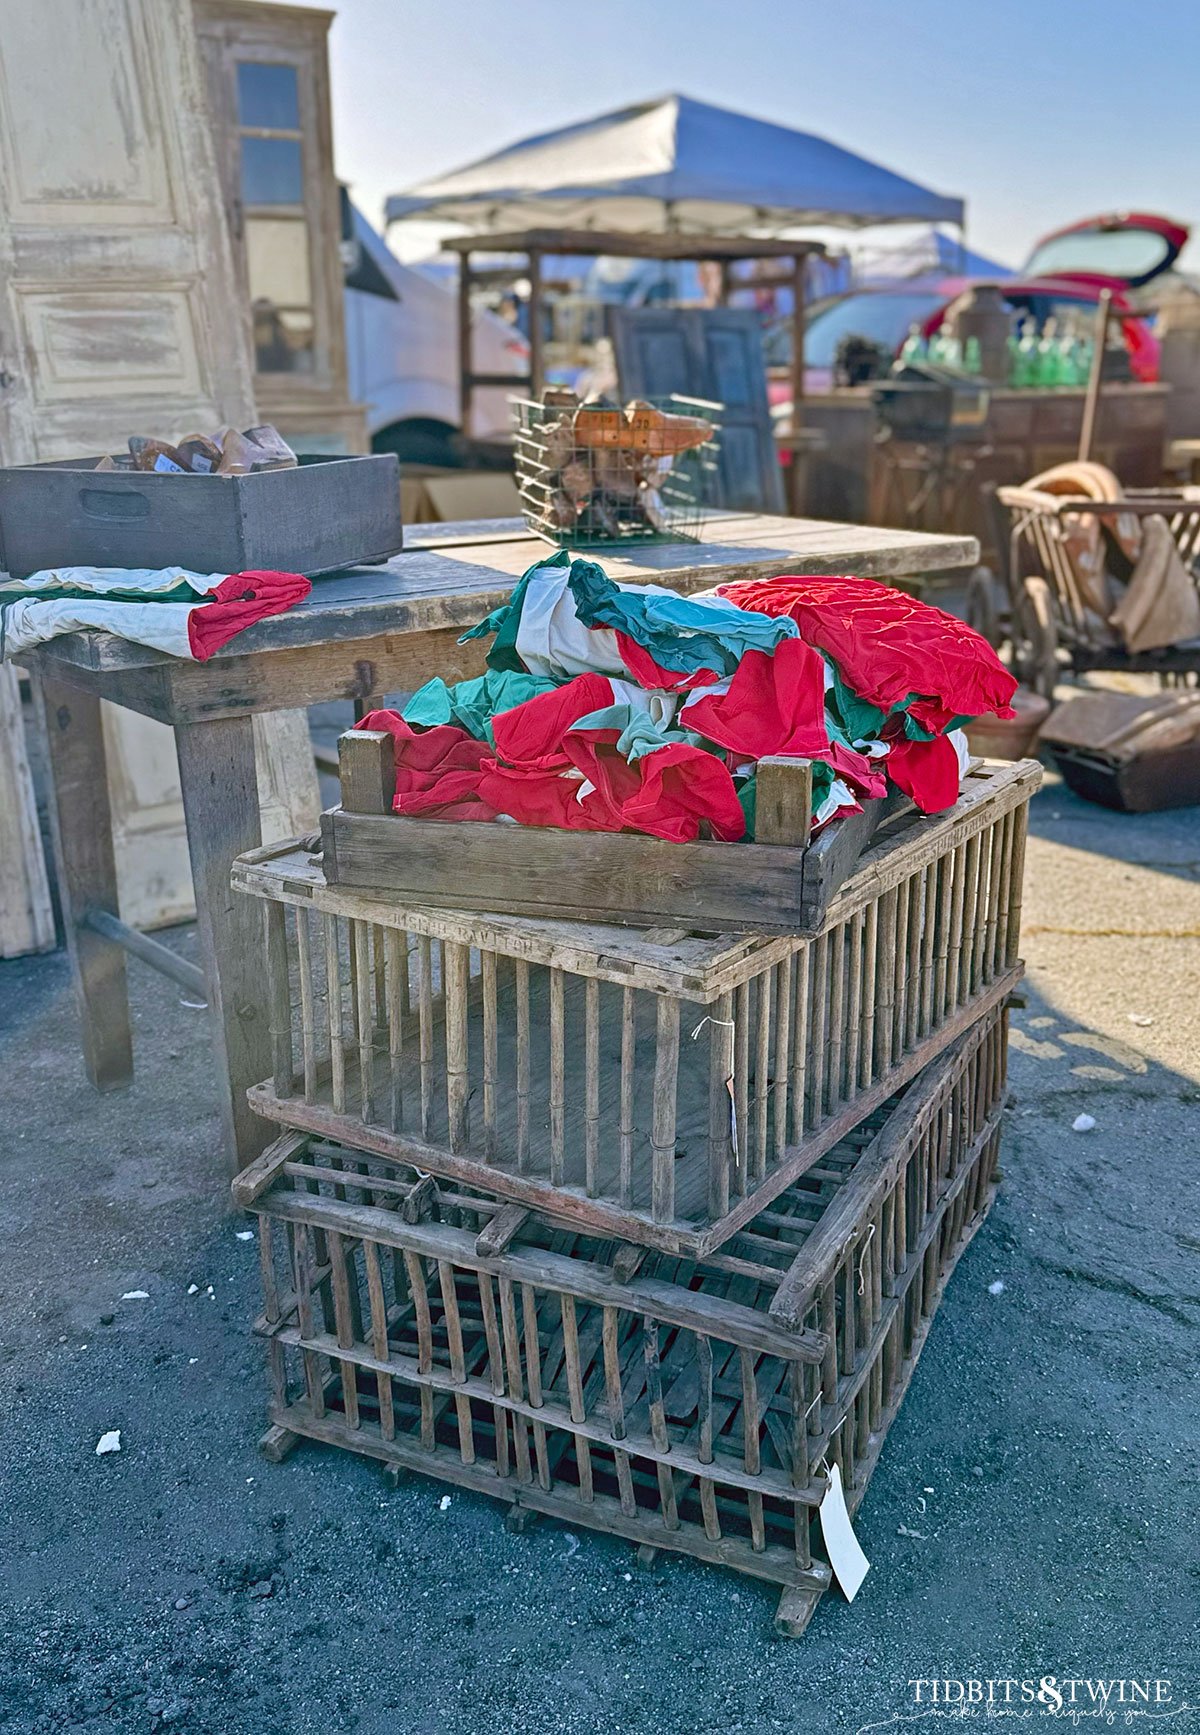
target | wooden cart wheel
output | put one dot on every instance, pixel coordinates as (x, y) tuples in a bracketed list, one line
[(1038, 661), (981, 610)]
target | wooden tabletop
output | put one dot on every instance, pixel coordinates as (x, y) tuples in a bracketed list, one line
[(451, 575)]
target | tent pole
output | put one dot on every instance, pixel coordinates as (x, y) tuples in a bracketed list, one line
[(535, 323), (465, 363), (797, 467)]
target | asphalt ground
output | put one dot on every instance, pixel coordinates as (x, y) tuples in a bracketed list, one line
[(186, 1584)]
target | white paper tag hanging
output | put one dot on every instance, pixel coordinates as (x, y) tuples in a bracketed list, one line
[(850, 1565)]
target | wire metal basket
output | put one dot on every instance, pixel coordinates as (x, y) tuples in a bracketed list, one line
[(594, 474)]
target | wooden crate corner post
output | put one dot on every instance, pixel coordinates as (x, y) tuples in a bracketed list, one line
[(783, 801), (367, 769)]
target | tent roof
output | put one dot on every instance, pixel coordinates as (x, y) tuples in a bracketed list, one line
[(673, 164), (923, 256)]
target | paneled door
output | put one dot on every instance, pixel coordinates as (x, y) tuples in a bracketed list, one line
[(120, 312), (714, 353)]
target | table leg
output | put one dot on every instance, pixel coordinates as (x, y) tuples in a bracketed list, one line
[(81, 824), (220, 804)]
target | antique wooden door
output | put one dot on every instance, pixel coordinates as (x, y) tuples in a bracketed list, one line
[(120, 312)]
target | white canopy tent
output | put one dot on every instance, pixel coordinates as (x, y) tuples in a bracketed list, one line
[(671, 178), (673, 165)]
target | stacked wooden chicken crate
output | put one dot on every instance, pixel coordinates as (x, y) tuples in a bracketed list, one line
[(643, 1229)]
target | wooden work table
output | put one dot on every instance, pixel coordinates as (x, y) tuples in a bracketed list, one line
[(360, 635)]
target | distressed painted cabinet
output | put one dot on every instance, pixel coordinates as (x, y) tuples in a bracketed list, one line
[(119, 313), (267, 75)]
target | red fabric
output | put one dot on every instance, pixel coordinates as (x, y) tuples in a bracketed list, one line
[(444, 773), (775, 704), (545, 798), (239, 601), (531, 734), (439, 771), (864, 775), (668, 793), (925, 770), (887, 645), (651, 675)]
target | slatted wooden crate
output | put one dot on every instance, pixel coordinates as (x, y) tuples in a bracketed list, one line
[(654, 1085), (690, 1404)]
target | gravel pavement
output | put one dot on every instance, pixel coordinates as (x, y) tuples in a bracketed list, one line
[(185, 1584)]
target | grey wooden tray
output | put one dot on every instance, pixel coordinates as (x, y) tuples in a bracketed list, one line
[(324, 514)]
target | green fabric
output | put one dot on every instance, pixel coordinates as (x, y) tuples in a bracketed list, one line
[(859, 719), (681, 633), (21, 590), (472, 704), (863, 721), (747, 791), (505, 620), (638, 733)]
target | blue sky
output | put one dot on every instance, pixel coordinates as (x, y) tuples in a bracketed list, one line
[(1036, 111)]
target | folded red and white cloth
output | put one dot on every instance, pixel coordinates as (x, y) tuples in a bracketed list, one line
[(185, 614)]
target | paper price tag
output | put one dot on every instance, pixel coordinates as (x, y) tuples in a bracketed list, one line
[(850, 1565)]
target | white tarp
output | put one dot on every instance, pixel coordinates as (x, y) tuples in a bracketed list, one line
[(673, 164)]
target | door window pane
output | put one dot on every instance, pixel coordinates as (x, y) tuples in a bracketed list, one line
[(272, 172), (268, 95), (277, 260), (284, 339)]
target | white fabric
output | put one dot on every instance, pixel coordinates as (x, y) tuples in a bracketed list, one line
[(133, 581), (839, 795), (114, 603), (716, 691), (962, 752), (658, 706), (160, 625), (551, 638)]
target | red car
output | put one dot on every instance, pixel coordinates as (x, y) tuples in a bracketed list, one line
[(1066, 270)]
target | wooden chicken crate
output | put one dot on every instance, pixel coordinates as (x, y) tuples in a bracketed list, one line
[(781, 883), (657, 1086), (691, 1405)]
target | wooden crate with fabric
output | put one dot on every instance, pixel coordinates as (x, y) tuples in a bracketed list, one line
[(655, 1085), (691, 1404), (782, 883)]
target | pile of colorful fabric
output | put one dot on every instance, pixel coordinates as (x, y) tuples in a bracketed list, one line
[(185, 614), (612, 707)]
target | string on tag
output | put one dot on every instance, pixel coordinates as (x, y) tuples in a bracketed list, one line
[(823, 1460), (862, 1259), (725, 1024)]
